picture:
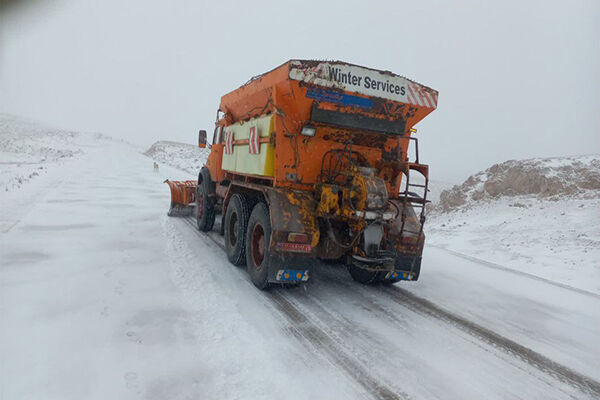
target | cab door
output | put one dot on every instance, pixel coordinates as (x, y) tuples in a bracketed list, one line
[(215, 159)]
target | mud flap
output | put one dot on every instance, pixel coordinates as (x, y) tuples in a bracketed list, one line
[(406, 263), (289, 268), (291, 211)]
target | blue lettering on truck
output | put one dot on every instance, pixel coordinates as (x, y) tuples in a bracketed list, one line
[(331, 96)]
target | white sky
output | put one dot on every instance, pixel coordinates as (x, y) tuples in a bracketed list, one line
[(517, 79)]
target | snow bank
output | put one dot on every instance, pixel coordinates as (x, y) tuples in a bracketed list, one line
[(545, 178), (183, 156)]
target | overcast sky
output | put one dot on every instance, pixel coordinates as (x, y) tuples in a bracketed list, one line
[(517, 79)]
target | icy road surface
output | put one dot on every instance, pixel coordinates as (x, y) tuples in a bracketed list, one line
[(104, 297)]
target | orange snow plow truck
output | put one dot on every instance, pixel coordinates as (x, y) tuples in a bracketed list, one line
[(311, 161)]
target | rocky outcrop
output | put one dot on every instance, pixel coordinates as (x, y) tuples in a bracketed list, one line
[(547, 178)]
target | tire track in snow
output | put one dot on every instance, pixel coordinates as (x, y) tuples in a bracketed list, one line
[(305, 329), (426, 308), (565, 374), (316, 335)]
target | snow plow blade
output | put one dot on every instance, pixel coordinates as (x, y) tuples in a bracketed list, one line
[(183, 198)]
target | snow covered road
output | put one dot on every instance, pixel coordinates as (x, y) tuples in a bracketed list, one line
[(103, 296)]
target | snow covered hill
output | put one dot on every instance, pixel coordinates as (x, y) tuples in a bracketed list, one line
[(28, 149), (539, 216), (183, 156), (542, 178)]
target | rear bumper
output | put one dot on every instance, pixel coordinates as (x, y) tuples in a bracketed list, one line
[(295, 264)]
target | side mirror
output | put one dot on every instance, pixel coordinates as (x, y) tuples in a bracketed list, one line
[(202, 139)]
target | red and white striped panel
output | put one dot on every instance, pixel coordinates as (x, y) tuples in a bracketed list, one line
[(228, 142), (416, 95), (253, 142)]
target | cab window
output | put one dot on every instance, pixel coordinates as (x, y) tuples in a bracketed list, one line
[(217, 135)]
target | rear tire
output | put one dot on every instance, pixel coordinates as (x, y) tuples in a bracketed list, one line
[(258, 238), (363, 276), (236, 221), (205, 206)]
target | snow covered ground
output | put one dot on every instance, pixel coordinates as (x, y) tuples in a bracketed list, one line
[(103, 296), (33, 159), (538, 216), (28, 150), (556, 240)]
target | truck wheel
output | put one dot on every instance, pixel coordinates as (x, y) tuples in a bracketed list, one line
[(258, 238), (236, 221), (361, 275), (205, 206)]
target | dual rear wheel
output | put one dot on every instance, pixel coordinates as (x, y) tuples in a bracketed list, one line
[(247, 238), (236, 221), (247, 232)]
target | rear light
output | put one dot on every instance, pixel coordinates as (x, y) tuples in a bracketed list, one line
[(297, 237), (308, 130)]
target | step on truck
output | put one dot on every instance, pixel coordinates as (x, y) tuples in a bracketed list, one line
[(311, 161)]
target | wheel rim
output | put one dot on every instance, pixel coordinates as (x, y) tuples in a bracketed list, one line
[(200, 205), (258, 246), (233, 228)]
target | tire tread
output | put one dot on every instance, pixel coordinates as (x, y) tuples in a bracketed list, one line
[(260, 213), (237, 254)]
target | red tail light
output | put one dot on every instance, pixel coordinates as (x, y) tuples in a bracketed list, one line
[(297, 237)]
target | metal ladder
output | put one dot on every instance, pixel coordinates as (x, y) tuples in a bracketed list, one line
[(411, 199)]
